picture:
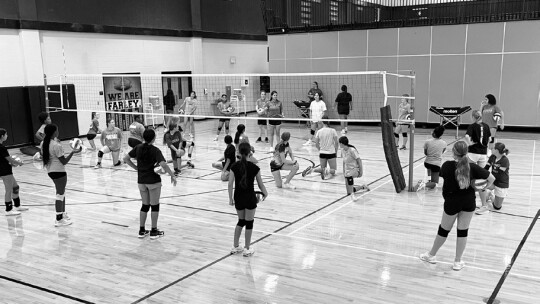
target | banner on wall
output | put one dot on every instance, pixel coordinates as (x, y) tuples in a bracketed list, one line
[(122, 94)]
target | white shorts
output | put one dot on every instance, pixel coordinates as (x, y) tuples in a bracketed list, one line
[(501, 192), (107, 149), (479, 159)]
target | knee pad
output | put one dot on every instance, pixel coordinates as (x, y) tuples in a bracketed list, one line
[(249, 224), (60, 197), (219, 129), (241, 223), (312, 132), (100, 154), (192, 144), (442, 232), (462, 233), (226, 128), (155, 208), (350, 181), (184, 144), (396, 135), (404, 134), (145, 208), (497, 208), (16, 189), (491, 139)]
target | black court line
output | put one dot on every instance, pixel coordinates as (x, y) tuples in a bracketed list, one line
[(491, 299), (222, 212), (111, 223), (45, 290), (82, 204), (76, 190), (512, 214)]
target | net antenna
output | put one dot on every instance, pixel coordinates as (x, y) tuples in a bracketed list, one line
[(50, 83)]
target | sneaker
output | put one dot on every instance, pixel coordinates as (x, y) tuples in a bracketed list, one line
[(21, 208), (362, 189), (97, 166), (420, 185), (289, 186), (215, 139), (308, 143), (354, 197), (12, 212), (66, 216), (191, 136), (63, 222), (426, 257), (403, 148), (156, 234), (482, 210), (343, 132), (307, 171), (238, 249), (119, 163), (266, 139), (323, 176), (458, 266), (143, 233), (248, 252), (190, 164), (177, 172), (259, 140)]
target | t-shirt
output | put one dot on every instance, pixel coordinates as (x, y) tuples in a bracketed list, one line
[(191, 105), (223, 106), (94, 127), (502, 179), (404, 109), (479, 134), (147, 157), (451, 190), (275, 108), (311, 93), (487, 114), (343, 100), (349, 161), (173, 139), (261, 104), (327, 138), (434, 148), (136, 130), (55, 152), (230, 154), (40, 134), (112, 138), (280, 148), (317, 109), (245, 194), (5, 166)]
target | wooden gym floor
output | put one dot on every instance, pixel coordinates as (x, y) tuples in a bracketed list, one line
[(313, 244)]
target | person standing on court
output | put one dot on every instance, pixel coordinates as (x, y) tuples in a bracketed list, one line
[(136, 130), (317, 110), (11, 195), (93, 131), (274, 110), (492, 115), (477, 136), (459, 202), (261, 108), (344, 106), (191, 104), (243, 198), (314, 89), (225, 109), (169, 100), (54, 161), (403, 129), (149, 182)]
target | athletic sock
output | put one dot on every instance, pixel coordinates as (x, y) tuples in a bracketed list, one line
[(9, 206), (142, 228), (17, 202), (59, 216)]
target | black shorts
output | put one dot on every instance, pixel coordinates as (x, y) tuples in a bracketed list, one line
[(455, 206), (57, 175), (274, 166), (249, 203), (274, 122), (327, 156), (173, 154), (90, 136), (343, 111), (432, 168), (132, 142), (224, 119), (262, 122)]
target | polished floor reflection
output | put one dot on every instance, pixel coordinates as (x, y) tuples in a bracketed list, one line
[(313, 244)]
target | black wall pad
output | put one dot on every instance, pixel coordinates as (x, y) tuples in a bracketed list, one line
[(390, 150)]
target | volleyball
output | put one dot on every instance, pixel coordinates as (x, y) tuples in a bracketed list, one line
[(159, 170), (230, 109), (408, 117), (180, 111), (75, 143), (16, 158), (497, 117), (259, 195), (261, 111)]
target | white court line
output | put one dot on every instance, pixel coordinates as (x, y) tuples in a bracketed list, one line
[(361, 248)]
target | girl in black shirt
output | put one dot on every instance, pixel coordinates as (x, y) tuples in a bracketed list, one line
[(344, 106), (242, 177), (229, 158), (149, 181), (459, 202), (11, 199)]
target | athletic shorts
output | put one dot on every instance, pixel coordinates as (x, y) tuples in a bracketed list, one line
[(147, 187), (132, 142), (401, 129), (352, 173), (262, 122), (327, 156), (501, 192), (455, 206), (224, 119), (274, 122), (245, 203), (343, 111), (274, 166), (108, 149), (57, 175), (173, 154), (479, 159), (90, 136), (432, 168)]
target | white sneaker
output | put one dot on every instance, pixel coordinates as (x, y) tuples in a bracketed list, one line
[(343, 132), (354, 197), (66, 216), (248, 252), (236, 250), (308, 143), (270, 149), (482, 210), (97, 166), (420, 185), (458, 266), (63, 222), (215, 139), (426, 257), (21, 208), (289, 186), (12, 212), (307, 171)]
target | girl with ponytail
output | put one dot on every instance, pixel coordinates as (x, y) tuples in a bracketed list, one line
[(500, 167), (54, 161), (459, 202), (241, 137), (352, 167), (243, 198), (11, 198)]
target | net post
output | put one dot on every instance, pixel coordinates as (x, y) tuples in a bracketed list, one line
[(46, 92), (385, 89), (411, 140)]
